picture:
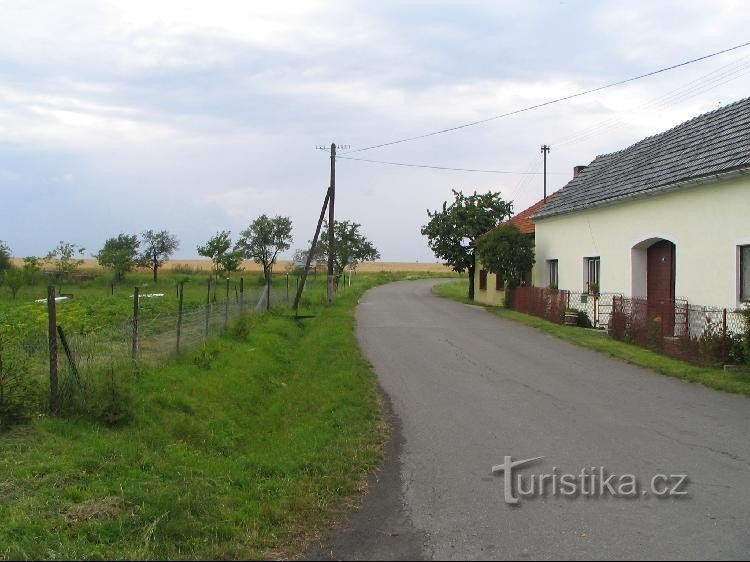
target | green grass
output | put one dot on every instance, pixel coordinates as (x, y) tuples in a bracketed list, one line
[(737, 382), (239, 450)]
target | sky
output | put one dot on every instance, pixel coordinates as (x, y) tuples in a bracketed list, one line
[(195, 116)]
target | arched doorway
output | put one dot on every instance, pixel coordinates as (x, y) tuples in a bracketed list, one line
[(654, 280), (660, 284)]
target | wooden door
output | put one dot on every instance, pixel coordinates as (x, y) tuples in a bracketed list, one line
[(660, 285)]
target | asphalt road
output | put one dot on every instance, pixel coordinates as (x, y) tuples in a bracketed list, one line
[(467, 389)]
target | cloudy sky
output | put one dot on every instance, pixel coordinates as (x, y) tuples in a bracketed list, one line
[(199, 116)]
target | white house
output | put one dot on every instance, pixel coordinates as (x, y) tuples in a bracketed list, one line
[(667, 217)]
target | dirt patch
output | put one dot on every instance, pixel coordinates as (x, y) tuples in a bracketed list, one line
[(102, 508)]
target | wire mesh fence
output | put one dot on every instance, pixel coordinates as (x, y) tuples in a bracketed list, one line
[(698, 334), (89, 361)]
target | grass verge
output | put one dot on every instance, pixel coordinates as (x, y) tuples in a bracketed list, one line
[(242, 449), (736, 382)]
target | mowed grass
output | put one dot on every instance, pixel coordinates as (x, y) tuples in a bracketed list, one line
[(737, 382), (243, 449)]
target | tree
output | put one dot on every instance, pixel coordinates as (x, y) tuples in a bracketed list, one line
[(32, 266), (157, 248), (64, 258), (351, 246), (217, 249), (264, 239), (453, 230), (119, 254), (507, 252), (5, 255), (14, 278)]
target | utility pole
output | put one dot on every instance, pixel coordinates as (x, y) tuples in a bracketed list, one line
[(545, 150), (331, 226), (330, 198)]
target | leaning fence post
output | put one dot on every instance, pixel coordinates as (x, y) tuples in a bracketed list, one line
[(242, 293), (180, 294), (54, 389), (724, 335), (136, 306), (69, 354), (208, 306)]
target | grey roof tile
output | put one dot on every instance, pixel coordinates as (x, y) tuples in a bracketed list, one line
[(710, 143)]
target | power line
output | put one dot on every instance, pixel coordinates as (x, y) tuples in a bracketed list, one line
[(441, 167), (550, 102)]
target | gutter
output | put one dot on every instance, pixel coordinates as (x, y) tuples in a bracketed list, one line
[(667, 188)]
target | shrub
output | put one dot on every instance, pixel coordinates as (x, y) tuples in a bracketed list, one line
[(242, 326), (20, 394), (583, 320)]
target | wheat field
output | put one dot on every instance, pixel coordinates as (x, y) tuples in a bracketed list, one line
[(284, 265)]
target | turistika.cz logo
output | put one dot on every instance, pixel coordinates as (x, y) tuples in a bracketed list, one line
[(590, 482)]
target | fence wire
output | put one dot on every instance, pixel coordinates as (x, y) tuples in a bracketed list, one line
[(87, 358), (699, 334)]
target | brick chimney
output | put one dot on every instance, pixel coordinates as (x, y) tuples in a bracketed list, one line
[(577, 170)]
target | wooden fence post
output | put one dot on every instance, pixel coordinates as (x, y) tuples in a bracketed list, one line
[(181, 295), (242, 293), (724, 335), (208, 306), (54, 388), (136, 306), (226, 307)]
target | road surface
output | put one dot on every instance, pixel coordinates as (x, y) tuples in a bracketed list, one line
[(466, 389)]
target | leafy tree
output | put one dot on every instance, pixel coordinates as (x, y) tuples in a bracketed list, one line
[(156, 249), (453, 230), (14, 278), (217, 248), (32, 267), (507, 252), (351, 246), (66, 257), (119, 254), (264, 239), (5, 255)]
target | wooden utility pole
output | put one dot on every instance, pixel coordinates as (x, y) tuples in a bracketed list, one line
[(545, 150), (313, 245), (331, 226)]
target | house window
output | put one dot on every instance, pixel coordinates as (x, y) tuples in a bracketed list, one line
[(499, 285), (593, 270), (553, 277), (482, 280), (745, 273)]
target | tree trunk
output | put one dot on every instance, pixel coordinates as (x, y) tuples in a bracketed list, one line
[(156, 267), (472, 268)]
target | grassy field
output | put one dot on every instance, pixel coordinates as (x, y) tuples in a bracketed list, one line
[(244, 448), (730, 381)]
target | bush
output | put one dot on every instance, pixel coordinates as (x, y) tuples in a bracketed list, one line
[(242, 326), (20, 394), (583, 320)]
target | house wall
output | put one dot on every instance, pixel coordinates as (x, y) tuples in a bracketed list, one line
[(707, 223), (490, 296)]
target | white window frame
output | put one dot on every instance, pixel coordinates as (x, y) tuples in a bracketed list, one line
[(553, 266), (588, 262)]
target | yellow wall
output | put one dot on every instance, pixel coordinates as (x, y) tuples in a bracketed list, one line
[(490, 296), (707, 223)]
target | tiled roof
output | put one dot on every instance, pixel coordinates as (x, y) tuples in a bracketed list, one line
[(711, 143), (522, 221)]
